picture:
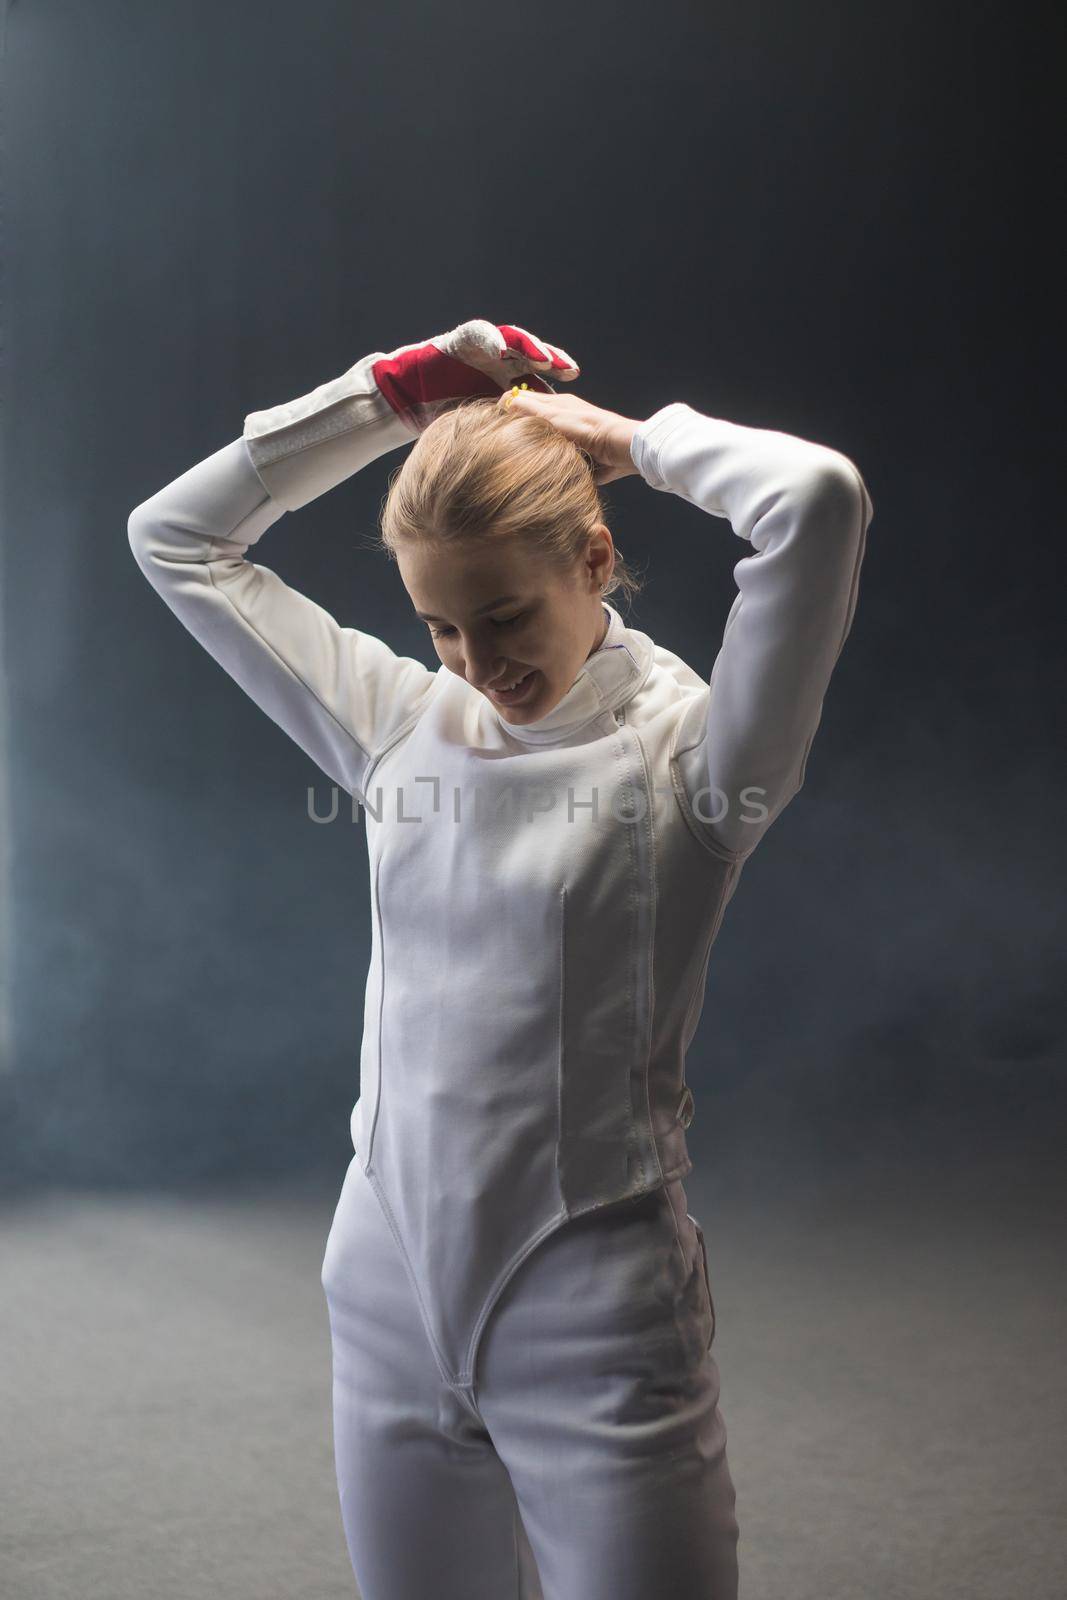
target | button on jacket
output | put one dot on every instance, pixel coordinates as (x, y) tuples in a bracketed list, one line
[(544, 897)]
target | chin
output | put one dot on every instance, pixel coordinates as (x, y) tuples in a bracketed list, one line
[(531, 713), (538, 707)]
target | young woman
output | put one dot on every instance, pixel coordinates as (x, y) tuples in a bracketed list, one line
[(525, 1399)]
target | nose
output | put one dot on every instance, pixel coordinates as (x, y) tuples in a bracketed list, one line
[(484, 667)]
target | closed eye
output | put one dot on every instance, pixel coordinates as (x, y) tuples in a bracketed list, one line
[(498, 622)]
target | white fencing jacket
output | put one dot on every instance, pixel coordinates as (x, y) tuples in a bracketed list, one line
[(544, 898)]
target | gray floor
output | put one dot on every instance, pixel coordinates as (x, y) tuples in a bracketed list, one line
[(892, 1357)]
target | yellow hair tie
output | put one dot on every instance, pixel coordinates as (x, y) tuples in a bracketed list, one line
[(514, 392)]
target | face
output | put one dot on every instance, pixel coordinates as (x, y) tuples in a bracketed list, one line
[(500, 612)]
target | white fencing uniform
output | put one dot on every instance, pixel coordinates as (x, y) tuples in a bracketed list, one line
[(519, 1299)]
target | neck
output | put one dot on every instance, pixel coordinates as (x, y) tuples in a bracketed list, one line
[(601, 632)]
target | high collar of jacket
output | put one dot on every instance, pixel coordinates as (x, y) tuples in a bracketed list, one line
[(609, 677)]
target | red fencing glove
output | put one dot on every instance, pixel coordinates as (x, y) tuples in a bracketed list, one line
[(478, 358), (304, 447)]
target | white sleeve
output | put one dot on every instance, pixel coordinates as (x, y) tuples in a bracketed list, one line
[(338, 692), (742, 746)]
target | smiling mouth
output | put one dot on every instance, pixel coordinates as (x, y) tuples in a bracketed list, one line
[(516, 690)]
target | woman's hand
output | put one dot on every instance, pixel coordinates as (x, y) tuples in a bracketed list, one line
[(604, 435), (478, 358)]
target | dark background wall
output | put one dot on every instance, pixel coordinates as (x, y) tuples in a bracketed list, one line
[(820, 218)]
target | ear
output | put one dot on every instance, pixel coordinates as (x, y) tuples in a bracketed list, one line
[(600, 555)]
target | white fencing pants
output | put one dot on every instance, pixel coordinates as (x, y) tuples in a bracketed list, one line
[(588, 1459)]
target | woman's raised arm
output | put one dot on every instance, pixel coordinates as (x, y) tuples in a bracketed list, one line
[(804, 508), (340, 693)]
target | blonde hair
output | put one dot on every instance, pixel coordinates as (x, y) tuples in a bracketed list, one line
[(479, 473)]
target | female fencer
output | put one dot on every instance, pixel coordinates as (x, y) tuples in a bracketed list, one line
[(525, 1400)]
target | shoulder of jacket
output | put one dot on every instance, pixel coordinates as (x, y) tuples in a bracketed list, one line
[(667, 689)]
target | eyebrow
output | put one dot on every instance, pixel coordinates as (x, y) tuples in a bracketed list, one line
[(501, 600)]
